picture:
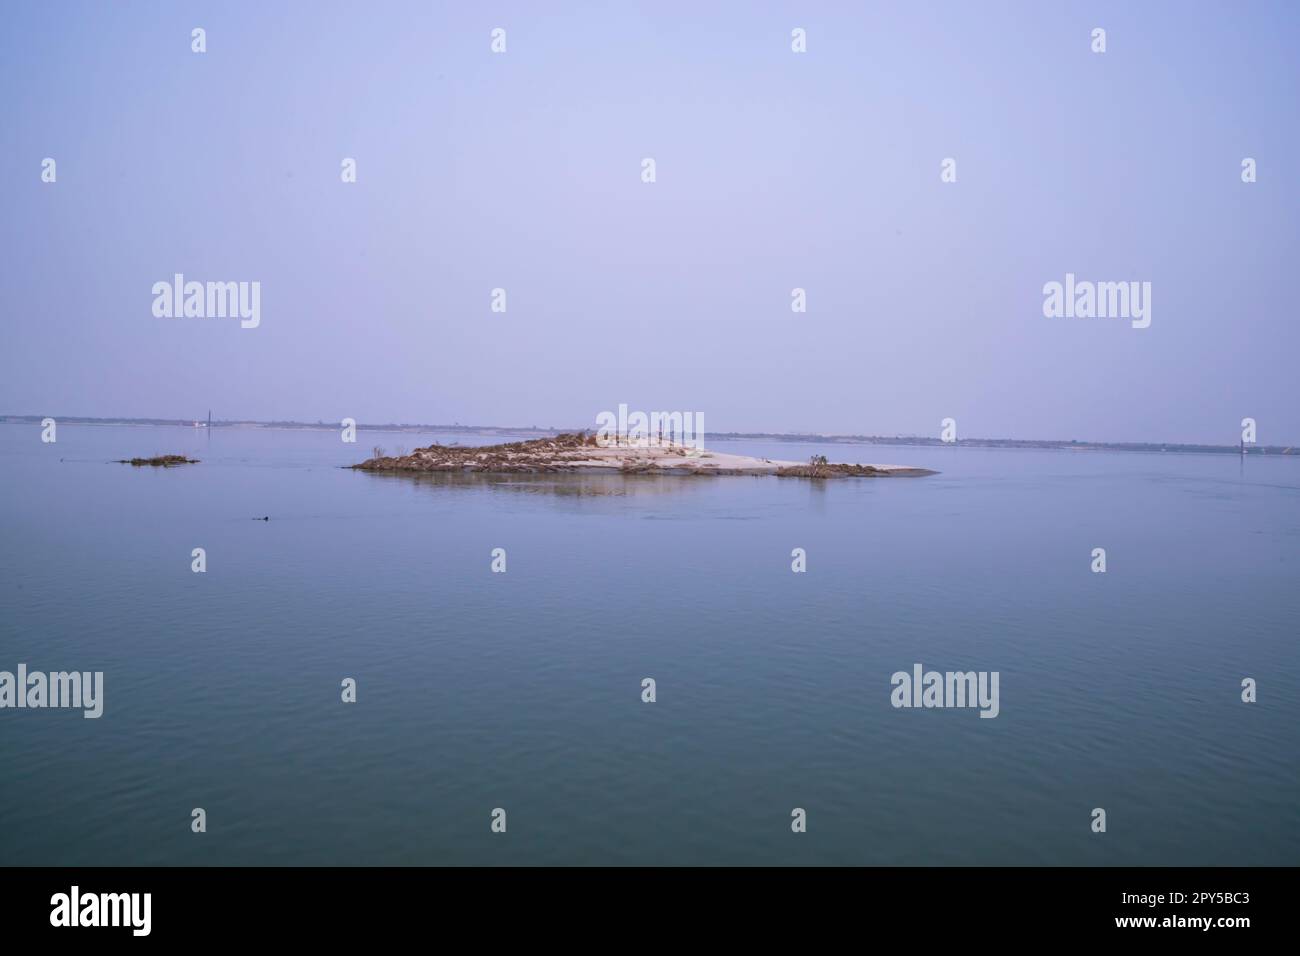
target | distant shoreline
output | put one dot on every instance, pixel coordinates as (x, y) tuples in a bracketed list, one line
[(905, 440)]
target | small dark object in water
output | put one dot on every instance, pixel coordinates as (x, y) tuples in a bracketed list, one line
[(267, 518), (164, 461)]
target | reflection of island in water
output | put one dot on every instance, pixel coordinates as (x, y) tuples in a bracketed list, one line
[(572, 485)]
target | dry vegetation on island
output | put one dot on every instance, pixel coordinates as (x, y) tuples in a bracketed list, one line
[(159, 461)]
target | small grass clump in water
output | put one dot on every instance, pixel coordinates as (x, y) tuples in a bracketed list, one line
[(159, 461)]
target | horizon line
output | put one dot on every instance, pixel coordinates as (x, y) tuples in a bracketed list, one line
[(1186, 447)]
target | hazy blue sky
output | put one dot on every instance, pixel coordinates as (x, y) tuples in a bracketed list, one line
[(775, 170)]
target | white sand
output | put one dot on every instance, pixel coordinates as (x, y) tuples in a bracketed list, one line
[(674, 459)]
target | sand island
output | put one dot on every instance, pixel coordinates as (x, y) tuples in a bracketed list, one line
[(584, 453)]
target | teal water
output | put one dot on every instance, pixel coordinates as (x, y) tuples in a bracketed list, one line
[(523, 690)]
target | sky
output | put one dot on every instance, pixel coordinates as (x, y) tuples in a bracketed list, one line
[(774, 170)]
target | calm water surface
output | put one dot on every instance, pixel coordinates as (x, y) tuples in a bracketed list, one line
[(522, 690)]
